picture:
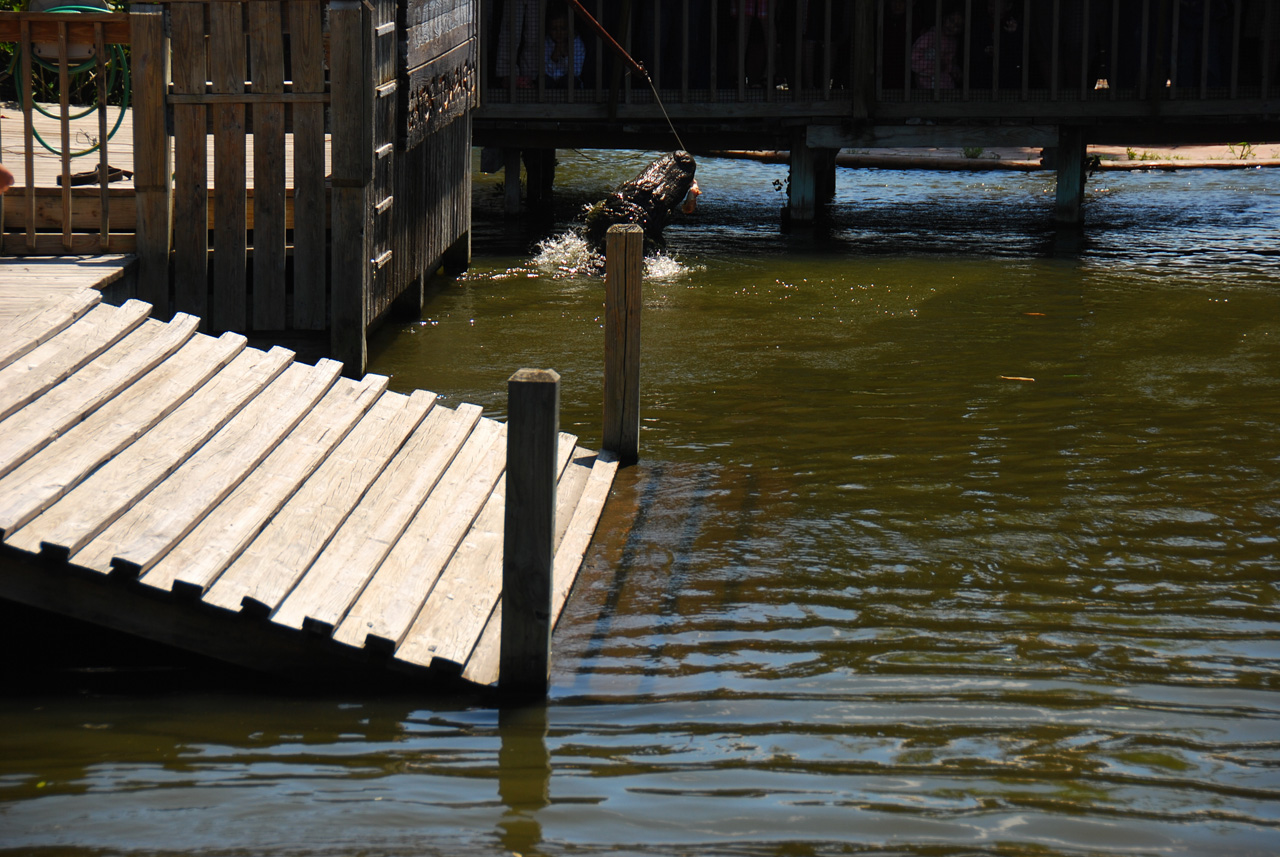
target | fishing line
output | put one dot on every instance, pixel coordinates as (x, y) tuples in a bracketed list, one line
[(663, 108), (639, 69)]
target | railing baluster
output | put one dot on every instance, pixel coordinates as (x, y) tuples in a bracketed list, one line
[(826, 53), (1144, 73), (1113, 66), (684, 52), (997, 23), (1057, 57), (1235, 50), (1204, 54), (1026, 50), (104, 168), (906, 55), (742, 51), (1084, 51), (937, 51), (1173, 51), (28, 129), (64, 104)]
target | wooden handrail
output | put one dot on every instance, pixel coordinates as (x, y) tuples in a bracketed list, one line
[(116, 29)]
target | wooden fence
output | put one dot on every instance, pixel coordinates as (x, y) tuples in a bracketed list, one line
[(299, 165)]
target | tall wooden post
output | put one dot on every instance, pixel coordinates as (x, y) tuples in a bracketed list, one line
[(533, 429), (351, 227), (1072, 149), (623, 276), (152, 170)]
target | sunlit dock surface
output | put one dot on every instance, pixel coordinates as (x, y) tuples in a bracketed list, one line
[(230, 501)]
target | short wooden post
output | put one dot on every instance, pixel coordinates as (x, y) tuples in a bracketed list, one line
[(623, 277), (533, 429), (152, 170), (351, 225)]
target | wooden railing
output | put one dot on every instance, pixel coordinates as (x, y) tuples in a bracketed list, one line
[(61, 43), (299, 165), (886, 58)]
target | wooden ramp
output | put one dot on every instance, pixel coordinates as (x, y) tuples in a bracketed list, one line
[(230, 501)]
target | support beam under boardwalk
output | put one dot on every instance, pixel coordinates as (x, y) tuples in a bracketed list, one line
[(225, 500)]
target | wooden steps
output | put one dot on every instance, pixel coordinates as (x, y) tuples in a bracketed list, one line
[(231, 501)]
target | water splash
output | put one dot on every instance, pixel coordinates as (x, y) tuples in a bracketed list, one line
[(567, 254)]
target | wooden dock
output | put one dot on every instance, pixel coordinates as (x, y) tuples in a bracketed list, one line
[(227, 500)]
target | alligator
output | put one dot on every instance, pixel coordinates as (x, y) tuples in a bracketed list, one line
[(647, 200)]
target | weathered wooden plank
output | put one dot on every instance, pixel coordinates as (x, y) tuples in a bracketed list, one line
[(22, 335), (266, 43), (624, 274), (31, 429), (191, 179), (453, 617), (482, 666), (68, 525), (227, 530), (226, 72), (40, 481), (52, 244), (390, 600), (270, 567), (483, 660), (44, 27), (310, 221), (138, 539), (49, 364), (339, 574)]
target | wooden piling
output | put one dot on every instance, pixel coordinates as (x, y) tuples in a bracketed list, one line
[(1072, 149), (351, 70), (533, 429), (151, 159), (624, 273)]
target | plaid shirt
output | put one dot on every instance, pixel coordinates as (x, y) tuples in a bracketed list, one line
[(557, 69)]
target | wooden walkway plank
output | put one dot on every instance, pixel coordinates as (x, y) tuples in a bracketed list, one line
[(31, 429), (453, 616), (384, 610), (59, 467), (52, 362), (360, 546), (482, 666), (270, 567), (196, 561), (28, 331), (391, 599), (93, 505), (155, 523)]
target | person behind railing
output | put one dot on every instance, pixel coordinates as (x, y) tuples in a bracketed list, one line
[(6, 179), (934, 56), (754, 52), (560, 50), (517, 27), (999, 27)]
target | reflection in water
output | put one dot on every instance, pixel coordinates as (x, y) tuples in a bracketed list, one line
[(943, 541), (524, 776)]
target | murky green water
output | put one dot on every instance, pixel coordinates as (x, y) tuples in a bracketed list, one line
[(870, 590)]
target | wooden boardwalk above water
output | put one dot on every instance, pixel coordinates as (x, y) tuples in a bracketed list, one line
[(227, 500)]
